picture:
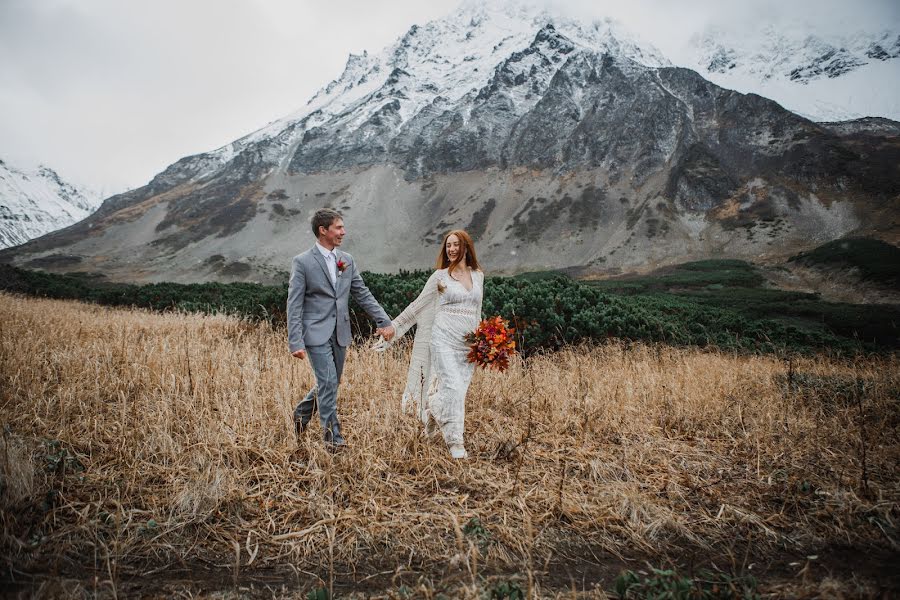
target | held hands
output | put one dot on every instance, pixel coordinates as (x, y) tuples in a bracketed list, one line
[(380, 345), (384, 335)]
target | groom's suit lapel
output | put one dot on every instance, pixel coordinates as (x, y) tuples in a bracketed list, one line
[(348, 272), (317, 256)]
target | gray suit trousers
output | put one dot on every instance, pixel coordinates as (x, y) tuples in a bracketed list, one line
[(327, 362)]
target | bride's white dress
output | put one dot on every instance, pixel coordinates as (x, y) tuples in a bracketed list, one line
[(445, 312)]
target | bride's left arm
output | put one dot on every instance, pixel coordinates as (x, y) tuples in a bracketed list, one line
[(410, 315)]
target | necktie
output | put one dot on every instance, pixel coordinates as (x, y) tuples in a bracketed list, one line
[(332, 258)]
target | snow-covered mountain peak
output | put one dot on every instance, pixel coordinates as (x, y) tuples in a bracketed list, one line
[(510, 50), (37, 201), (452, 57), (792, 52), (826, 76)]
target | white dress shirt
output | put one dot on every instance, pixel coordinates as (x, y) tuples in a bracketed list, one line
[(330, 262)]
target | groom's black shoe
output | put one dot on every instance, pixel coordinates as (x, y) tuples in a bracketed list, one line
[(334, 441), (335, 448)]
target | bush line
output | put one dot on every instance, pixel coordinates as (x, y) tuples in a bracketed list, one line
[(548, 312)]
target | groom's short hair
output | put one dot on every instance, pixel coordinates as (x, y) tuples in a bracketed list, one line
[(324, 217)]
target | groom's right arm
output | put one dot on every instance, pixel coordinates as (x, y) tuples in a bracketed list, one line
[(296, 291)]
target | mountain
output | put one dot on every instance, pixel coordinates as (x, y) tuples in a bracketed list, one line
[(35, 202), (556, 143), (823, 77), (872, 125)]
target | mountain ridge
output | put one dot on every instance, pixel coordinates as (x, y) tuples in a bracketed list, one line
[(36, 201), (564, 155), (819, 75)]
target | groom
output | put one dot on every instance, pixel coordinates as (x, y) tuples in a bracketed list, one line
[(318, 316)]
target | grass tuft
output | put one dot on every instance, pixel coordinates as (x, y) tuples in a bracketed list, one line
[(136, 442)]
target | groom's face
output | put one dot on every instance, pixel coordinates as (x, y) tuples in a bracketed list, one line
[(333, 235)]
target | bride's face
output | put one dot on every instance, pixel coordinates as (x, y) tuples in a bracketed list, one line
[(453, 248)]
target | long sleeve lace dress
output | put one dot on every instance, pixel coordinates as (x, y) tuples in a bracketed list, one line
[(445, 312)]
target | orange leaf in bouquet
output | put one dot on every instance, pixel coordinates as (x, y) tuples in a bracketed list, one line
[(491, 344)]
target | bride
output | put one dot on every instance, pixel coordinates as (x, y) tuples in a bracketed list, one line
[(448, 308)]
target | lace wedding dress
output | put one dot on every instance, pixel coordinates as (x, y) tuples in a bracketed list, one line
[(439, 373)]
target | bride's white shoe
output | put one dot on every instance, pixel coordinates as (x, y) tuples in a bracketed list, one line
[(458, 451)]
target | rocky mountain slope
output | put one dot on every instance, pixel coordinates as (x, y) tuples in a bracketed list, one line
[(555, 143), (35, 202)]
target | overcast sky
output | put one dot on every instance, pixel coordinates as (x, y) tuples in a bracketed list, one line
[(110, 92)]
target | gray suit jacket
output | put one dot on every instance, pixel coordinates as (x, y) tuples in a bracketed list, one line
[(315, 307)]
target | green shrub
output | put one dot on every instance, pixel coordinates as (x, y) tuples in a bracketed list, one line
[(548, 312), (669, 584), (318, 593), (876, 260), (506, 590)]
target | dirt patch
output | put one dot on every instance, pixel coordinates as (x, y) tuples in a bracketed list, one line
[(539, 213), (833, 284), (236, 269), (478, 224), (54, 261), (575, 572)]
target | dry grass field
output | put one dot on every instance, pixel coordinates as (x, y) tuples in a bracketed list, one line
[(148, 454)]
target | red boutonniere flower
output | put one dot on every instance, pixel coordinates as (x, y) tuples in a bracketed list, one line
[(341, 265)]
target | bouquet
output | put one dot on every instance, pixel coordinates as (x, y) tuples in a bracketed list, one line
[(491, 344)]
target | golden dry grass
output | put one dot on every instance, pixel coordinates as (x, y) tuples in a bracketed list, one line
[(589, 456)]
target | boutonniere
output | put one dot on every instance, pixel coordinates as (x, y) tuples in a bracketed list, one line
[(341, 266)]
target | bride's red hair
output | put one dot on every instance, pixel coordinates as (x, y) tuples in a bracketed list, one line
[(468, 252)]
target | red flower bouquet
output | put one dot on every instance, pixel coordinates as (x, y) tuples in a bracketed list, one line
[(491, 344)]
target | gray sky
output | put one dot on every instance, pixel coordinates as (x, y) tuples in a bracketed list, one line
[(110, 92)]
